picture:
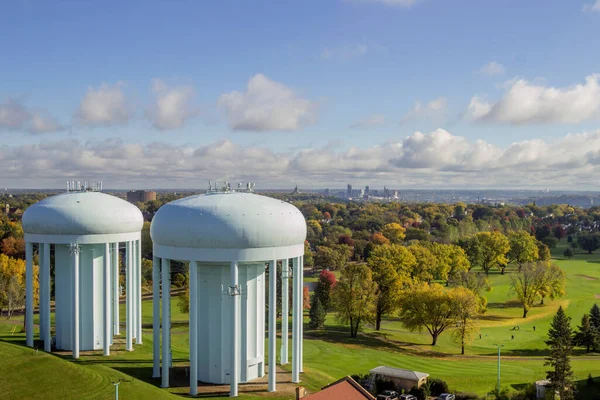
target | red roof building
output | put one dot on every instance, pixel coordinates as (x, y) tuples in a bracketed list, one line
[(345, 388)]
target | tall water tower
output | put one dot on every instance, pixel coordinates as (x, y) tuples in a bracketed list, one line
[(229, 237), (85, 228)]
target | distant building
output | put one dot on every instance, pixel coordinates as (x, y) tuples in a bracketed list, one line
[(140, 196), (296, 190), (349, 191), (367, 191), (327, 192)]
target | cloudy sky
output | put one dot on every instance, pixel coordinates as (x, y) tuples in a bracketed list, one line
[(319, 93)]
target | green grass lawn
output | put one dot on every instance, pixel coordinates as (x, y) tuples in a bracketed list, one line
[(329, 354)]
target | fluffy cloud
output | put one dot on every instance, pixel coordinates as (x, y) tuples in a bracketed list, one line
[(528, 103), (372, 121), (492, 69), (267, 106), (592, 6), (14, 116), (437, 159), (172, 107), (104, 106), (435, 109), (344, 53)]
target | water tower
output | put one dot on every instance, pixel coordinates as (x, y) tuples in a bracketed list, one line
[(85, 228), (229, 238)]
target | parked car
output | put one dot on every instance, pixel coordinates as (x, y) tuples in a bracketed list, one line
[(407, 397), (446, 396), (388, 395)]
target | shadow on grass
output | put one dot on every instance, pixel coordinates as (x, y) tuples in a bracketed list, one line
[(506, 304), (371, 340)]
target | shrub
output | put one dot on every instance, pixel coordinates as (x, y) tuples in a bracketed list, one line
[(466, 396), (383, 384), (590, 380), (438, 386), (420, 393)]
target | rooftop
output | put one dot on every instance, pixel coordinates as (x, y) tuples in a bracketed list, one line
[(399, 373)]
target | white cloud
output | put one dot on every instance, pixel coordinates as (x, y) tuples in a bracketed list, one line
[(344, 53), (528, 103), (15, 116), (267, 106), (435, 109), (391, 3), (437, 159), (492, 69), (592, 7), (372, 121), (172, 107), (105, 106)]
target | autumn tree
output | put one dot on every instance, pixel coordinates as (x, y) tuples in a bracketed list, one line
[(449, 259), (543, 251), (324, 287), (559, 232), (353, 297), (13, 247), (394, 232), (389, 278), (527, 283), (494, 246), (467, 307), (332, 257), (308, 256), (378, 239), (12, 283), (552, 283), (523, 248), (477, 282), (425, 265), (428, 306), (561, 347)]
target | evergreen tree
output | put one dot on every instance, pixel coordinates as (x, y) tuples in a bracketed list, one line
[(586, 336), (595, 317), (317, 314), (560, 342)]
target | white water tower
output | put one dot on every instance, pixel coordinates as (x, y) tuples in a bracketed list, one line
[(84, 227), (229, 237)]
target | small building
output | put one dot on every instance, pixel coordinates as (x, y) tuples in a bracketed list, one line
[(345, 388), (402, 378), (540, 388)]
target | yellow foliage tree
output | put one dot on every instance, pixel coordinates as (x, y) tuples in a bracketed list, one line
[(394, 232)]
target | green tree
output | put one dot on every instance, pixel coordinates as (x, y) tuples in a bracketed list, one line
[(146, 241), (353, 297), (467, 308), (425, 265), (308, 256), (568, 253), (317, 313), (586, 336), (449, 258), (589, 242), (559, 360), (472, 250), (595, 316), (323, 288), (523, 248), (477, 282), (428, 306), (494, 246), (552, 282), (394, 232), (526, 284), (389, 282)]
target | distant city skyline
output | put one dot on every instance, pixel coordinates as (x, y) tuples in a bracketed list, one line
[(320, 93)]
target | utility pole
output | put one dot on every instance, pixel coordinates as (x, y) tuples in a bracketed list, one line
[(499, 346)]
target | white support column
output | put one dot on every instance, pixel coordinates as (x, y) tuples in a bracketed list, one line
[(107, 300), (272, 325), (301, 316), (156, 317), (46, 309), (295, 331), (166, 321), (284, 310), (116, 289), (41, 286), (128, 299), (193, 328), (29, 294), (133, 275), (76, 298), (138, 299), (235, 312)]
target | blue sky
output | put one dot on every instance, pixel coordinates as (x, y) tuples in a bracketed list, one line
[(336, 92)]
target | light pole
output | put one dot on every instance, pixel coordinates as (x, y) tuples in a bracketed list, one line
[(499, 346), (116, 384)]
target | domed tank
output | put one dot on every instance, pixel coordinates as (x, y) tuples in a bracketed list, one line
[(229, 238), (83, 228)]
